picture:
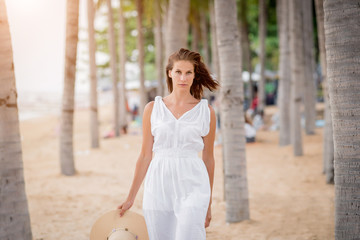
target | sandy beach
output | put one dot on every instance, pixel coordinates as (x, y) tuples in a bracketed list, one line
[(288, 196)]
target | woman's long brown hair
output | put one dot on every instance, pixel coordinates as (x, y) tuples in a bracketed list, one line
[(202, 75)]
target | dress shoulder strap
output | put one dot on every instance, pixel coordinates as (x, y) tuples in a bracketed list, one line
[(205, 117), (155, 110)]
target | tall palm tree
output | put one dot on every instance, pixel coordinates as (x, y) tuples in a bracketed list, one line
[(262, 51), (165, 20), (141, 56), (244, 33), (232, 115), (309, 81), (114, 72), (342, 41), (14, 213), (215, 65), (159, 55), (195, 33), (328, 146), (94, 121), (177, 25), (284, 71), (198, 24), (67, 114), (297, 76), (122, 61), (204, 35)]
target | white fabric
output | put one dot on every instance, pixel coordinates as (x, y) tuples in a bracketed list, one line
[(177, 187), (250, 131)]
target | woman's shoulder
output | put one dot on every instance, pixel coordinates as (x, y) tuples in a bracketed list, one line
[(157, 97), (206, 103), (149, 106), (151, 103)]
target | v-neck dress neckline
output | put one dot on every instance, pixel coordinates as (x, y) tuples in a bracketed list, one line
[(178, 119)]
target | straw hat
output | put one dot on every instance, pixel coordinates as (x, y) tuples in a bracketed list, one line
[(110, 226)]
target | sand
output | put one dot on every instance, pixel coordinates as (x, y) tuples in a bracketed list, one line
[(288, 196)]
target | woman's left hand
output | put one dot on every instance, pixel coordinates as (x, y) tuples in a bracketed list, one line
[(208, 217)]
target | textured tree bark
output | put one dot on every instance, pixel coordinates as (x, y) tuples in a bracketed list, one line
[(232, 115), (67, 115), (94, 122), (113, 64), (244, 35), (141, 57), (195, 37), (284, 71), (159, 55), (342, 42), (165, 7), (14, 213), (177, 26), (204, 37), (262, 53), (328, 146), (215, 65), (122, 61), (309, 81), (297, 76)]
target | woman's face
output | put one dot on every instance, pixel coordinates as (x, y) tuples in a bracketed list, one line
[(182, 74)]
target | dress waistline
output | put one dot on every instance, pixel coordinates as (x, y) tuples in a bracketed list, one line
[(176, 152)]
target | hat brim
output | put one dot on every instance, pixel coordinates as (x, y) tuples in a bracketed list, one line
[(134, 222)]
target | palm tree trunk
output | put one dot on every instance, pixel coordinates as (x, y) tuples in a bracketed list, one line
[(284, 71), (67, 116), (114, 73), (165, 20), (177, 26), (159, 59), (204, 44), (94, 122), (141, 57), (262, 37), (204, 36), (244, 33), (232, 115), (342, 42), (328, 155), (14, 213), (309, 81), (195, 37), (297, 76), (215, 65), (122, 61)]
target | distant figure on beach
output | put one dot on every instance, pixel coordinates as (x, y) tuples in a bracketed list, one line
[(255, 101), (250, 131), (178, 183), (124, 128), (255, 116), (135, 112)]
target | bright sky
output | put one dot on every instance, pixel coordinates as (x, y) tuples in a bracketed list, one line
[(37, 30)]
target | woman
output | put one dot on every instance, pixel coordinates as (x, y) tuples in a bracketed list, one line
[(178, 184)]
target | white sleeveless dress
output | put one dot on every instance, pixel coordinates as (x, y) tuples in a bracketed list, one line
[(177, 188)]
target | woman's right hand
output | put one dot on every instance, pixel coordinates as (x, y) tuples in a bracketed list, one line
[(125, 206)]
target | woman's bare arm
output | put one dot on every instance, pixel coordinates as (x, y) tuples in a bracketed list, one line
[(208, 157), (143, 161)]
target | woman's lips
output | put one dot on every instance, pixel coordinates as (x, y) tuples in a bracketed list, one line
[(183, 85)]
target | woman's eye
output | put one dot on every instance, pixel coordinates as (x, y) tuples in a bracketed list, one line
[(178, 72), (188, 73)]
